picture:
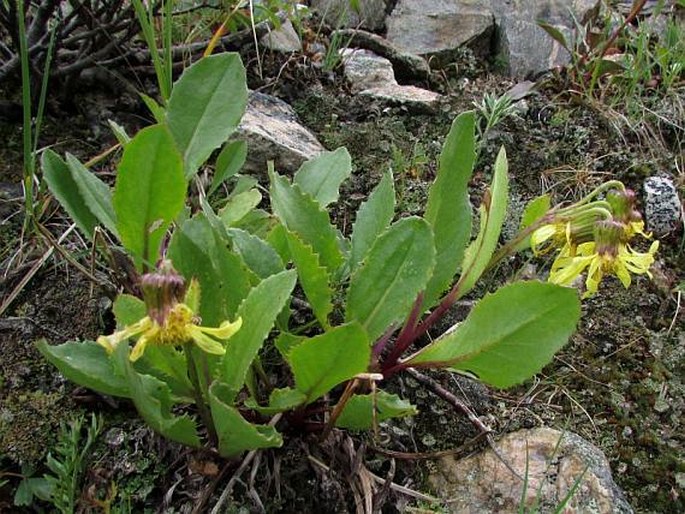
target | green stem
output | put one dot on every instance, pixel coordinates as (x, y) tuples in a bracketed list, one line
[(616, 184), (512, 246), (29, 164), (200, 401)]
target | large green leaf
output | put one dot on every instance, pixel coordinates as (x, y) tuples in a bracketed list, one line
[(258, 255), (86, 364), (258, 312), (239, 206), (492, 213), (301, 214), (280, 400), (206, 106), (236, 434), (152, 398), (448, 210), (95, 193), (509, 336), (150, 191), (61, 182), (358, 413), (382, 291), (373, 217), (128, 309), (324, 361), (321, 176), (169, 365), (229, 162), (314, 278), (198, 251), (287, 341)]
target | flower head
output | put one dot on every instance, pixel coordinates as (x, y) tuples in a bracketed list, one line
[(169, 322), (607, 254), (569, 227), (624, 210)]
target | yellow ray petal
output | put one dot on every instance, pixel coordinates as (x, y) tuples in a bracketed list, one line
[(206, 343)]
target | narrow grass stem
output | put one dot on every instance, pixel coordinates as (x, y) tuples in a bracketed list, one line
[(29, 163)]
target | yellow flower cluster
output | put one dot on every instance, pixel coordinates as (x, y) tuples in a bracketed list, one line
[(170, 321), (594, 237), (178, 328), (621, 262)]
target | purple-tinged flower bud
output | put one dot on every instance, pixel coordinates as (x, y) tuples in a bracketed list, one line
[(608, 237), (623, 206), (162, 290)]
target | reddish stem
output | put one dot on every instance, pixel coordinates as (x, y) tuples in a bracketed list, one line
[(406, 336)]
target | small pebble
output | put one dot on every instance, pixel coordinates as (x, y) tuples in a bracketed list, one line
[(428, 440)]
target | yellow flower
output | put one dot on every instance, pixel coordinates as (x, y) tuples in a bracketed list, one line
[(619, 260), (636, 227), (178, 328), (549, 236)]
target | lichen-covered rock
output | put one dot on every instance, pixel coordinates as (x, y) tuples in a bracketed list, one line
[(273, 133), (663, 209), (554, 463)]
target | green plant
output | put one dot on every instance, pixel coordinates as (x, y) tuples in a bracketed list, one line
[(624, 59), (592, 45), (652, 61), (61, 486), (369, 297), (162, 61), (30, 131), (492, 110)]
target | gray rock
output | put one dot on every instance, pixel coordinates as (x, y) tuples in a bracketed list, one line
[(407, 66), (554, 460), (528, 49), (438, 27), (373, 76), (273, 133), (365, 70), (284, 39), (663, 209), (338, 13), (413, 97), (434, 26)]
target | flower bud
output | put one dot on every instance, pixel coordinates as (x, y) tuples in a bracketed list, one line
[(162, 290), (623, 206), (608, 237)]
